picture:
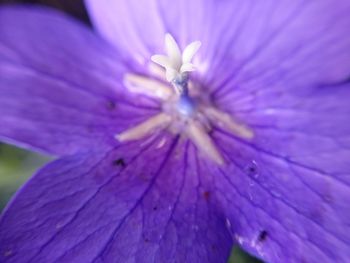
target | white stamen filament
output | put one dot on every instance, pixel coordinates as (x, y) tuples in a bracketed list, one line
[(225, 121), (156, 70), (160, 121), (199, 136), (147, 86)]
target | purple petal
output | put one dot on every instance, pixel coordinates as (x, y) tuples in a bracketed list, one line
[(281, 69), (127, 204), (287, 192), (60, 84), (298, 41), (135, 27), (139, 27), (279, 46), (286, 196)]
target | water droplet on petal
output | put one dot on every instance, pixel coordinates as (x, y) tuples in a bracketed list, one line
[(229, 227), (250, 196), (239, 239), (161, 143), (228, 223)]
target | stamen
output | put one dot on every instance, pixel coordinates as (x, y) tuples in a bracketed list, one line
[(199, 136), (156, 70), (184, 109), (159, 121), (225, 121), (142, 85)]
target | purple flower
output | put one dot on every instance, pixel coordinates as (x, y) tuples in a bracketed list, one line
[(244, 137)]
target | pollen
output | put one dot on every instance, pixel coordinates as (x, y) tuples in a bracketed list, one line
[(184, 110)]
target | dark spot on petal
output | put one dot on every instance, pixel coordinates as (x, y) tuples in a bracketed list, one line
[(119, 162), (214, 247), (155, 208), (146, 240), (110, 105), (206, 195), (251, 169), (262, 236)]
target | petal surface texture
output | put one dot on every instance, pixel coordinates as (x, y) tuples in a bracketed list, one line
[(301, 41), (280, 68), (108, 206), (283, 69), (61, 86)]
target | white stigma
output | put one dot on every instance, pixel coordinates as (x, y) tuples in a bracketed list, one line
[(183, 111), (176, 64)]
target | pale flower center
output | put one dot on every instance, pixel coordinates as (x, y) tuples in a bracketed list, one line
[(185, 110)]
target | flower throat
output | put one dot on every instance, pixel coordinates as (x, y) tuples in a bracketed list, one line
[(185, 110)]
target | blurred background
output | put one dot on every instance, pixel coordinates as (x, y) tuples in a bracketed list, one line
[(17, 165), (73, 7)]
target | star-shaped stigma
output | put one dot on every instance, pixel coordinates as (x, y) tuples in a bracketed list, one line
[(185, 110)]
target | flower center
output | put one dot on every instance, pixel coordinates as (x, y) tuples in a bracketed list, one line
[(186, 106), (183, 112)]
